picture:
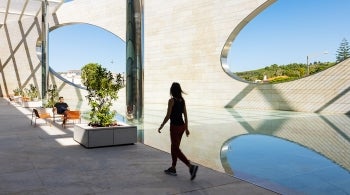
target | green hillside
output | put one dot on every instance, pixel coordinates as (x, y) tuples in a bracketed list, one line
[(283, 73)]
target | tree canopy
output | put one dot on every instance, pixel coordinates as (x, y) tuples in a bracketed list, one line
[(283, 73), (103, 89)]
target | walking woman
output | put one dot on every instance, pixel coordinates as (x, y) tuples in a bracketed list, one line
[(177, 109)]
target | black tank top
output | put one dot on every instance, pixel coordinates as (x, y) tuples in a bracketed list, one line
[(176, 112)]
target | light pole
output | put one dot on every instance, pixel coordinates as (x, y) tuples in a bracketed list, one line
[(314, 56), (307, 64)]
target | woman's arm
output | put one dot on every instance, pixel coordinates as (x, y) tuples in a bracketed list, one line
[(186, 120), (167, 116)]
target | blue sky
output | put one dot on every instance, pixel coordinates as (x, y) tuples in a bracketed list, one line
[(290, 30), (286, 32), (73, 46)]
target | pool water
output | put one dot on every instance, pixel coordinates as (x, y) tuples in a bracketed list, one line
[(284, 166), (284, 151)]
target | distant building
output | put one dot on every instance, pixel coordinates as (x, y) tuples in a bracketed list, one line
[(73, 76)]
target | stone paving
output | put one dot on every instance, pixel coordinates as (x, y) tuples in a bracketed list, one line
[(46, 160)]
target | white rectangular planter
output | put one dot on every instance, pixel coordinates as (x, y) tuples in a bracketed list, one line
[(104, 136), (32, 104)]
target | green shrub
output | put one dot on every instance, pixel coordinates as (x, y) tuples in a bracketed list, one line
[(102, 90)]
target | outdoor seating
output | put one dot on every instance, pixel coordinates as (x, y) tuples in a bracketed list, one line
[(55, 115), (71, 115), (39, 115), (15, 99), (11, 99)]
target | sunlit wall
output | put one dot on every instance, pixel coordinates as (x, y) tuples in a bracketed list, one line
[(184, 41)]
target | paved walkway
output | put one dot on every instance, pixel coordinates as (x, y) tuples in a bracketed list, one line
[(46, 160)]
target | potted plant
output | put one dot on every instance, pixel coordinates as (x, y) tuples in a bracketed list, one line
[(17, 92), (102, 130), (102, 91), (52, 96), (33, 92), (31, 97), (17, 95)]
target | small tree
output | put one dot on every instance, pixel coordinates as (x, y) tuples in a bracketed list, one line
[(102, 90), (343, 51)]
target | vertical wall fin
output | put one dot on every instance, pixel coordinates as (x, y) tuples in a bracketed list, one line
[(44, 49), (134, 60)]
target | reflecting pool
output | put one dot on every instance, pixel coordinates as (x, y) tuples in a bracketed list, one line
[(287, 152), (285, 166)]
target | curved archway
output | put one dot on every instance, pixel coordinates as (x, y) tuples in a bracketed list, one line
[(234, 34), (279, 45), (73, 45)]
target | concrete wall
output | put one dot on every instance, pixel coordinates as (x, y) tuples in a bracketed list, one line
[(19, 64), (184, 41)]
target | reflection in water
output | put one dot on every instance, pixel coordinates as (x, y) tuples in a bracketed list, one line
[(325, 134), (284, 166)]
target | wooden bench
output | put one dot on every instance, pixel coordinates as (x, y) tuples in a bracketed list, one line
[(71, 115), (42, 114)]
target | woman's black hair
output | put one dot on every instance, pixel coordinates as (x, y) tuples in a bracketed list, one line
[(176, 91)]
